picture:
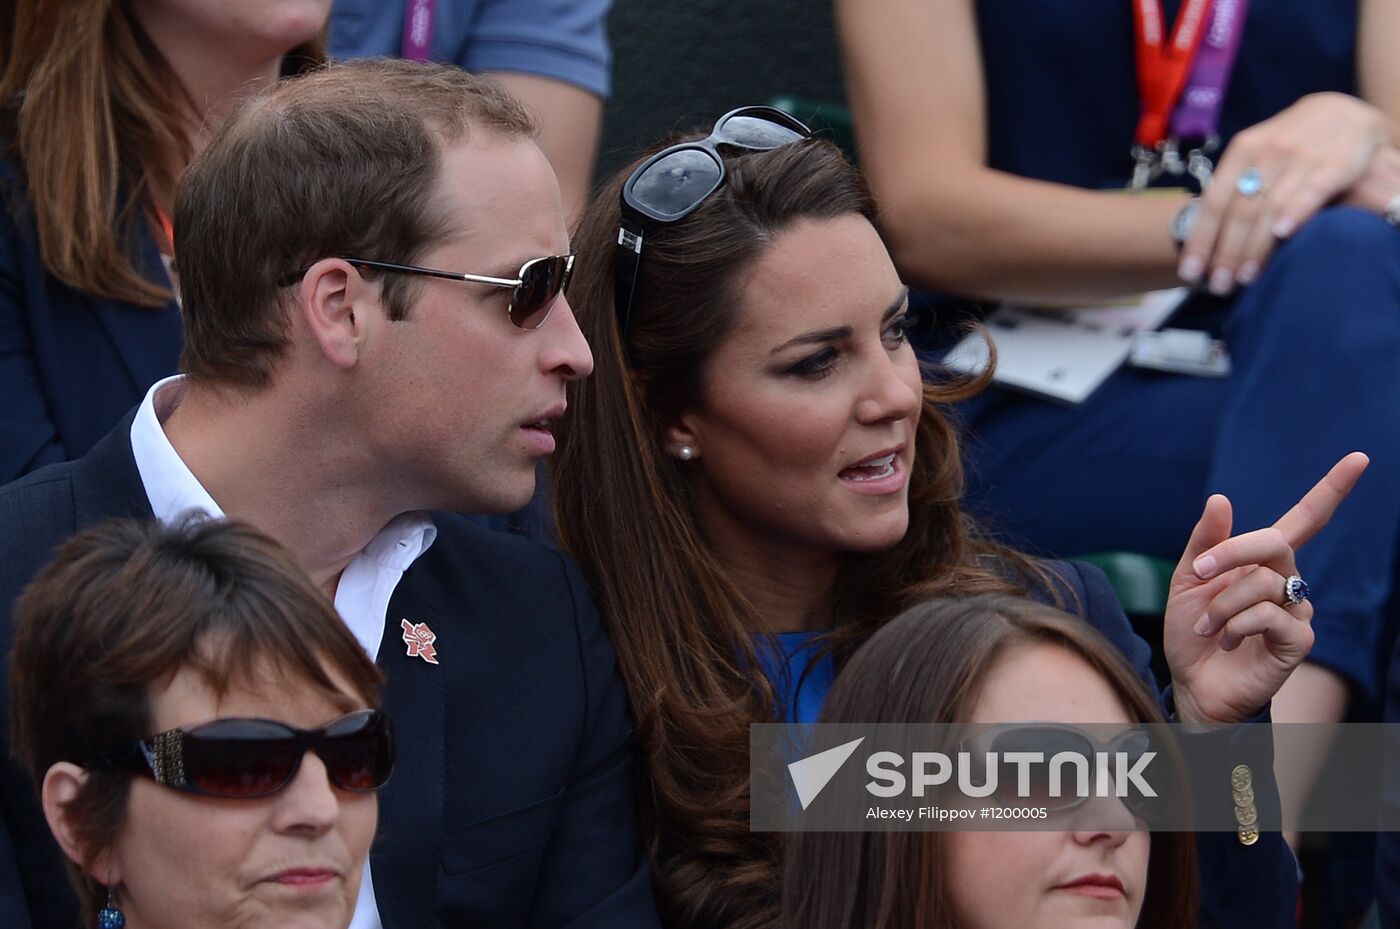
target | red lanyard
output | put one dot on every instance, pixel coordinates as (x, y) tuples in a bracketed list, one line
[(1163, 66), (166, 225)]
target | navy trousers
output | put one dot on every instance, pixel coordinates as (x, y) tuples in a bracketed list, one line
[(1315, 346)]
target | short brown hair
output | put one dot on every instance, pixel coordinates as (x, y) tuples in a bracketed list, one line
[(342, 161), (121, 609), (929, 665)]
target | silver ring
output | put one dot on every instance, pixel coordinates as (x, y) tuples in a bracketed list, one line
[(1250, 183), (1391, 214), (1295, 590)]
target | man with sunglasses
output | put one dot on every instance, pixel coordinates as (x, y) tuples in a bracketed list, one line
[(371, 262)]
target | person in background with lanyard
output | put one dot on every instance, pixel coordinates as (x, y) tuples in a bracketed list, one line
[(551, 56), (998, 137), (102, 104)]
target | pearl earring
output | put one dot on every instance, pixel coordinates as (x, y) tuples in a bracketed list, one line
[(685, 453)]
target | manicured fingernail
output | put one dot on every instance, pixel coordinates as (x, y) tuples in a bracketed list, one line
[(1284, 228), (1202, 626), (1191, 268), (1204, 566), (1248, 272), (1222, 281)]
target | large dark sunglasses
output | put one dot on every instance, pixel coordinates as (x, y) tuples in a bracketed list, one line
[(246, 758), (1052, 739), (669, 185), (536, 286)]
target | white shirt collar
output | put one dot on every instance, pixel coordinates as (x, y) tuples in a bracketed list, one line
[(173, 489), (170, 485)]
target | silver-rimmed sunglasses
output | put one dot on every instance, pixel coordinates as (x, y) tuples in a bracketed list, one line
[(536, 286)]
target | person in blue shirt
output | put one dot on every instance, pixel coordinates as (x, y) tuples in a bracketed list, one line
[(756, 455), (552, 56)]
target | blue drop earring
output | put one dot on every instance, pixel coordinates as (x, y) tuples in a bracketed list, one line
[(109, 917)]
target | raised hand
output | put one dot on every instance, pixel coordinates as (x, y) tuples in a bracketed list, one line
[(1231, 636)]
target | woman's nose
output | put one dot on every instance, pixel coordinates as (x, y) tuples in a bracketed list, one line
[(1103, 819), (309, 803), (893, 390)]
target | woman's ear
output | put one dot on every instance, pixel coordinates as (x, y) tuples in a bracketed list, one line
[(61, 785), (682, 438)]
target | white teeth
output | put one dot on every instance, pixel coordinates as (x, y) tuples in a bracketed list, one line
[(874, 463), (869, 472)]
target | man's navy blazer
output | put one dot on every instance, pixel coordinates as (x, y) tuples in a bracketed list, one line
[(71, 364), (512, 800)]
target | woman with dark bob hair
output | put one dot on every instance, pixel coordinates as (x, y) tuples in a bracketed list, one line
[(991, 659), (203, 729), (756, 478)]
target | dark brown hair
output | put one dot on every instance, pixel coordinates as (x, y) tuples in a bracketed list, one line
[(120, 610), (681, 628), (94, 115), (929, 665), (341, 162)]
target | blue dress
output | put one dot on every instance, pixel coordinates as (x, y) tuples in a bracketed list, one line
[(800, 674), (1314, 341)]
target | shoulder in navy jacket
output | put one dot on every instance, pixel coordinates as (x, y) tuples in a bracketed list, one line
[(71, 364), (512, 801)]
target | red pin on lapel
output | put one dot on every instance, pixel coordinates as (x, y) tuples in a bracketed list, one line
[(419, 640)]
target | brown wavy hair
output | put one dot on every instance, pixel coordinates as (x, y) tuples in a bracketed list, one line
[(92, 113), (929, 665), (681, 627)]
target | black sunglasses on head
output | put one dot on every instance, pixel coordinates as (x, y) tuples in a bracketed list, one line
[(245, 758), (535, 288), (669, 185)]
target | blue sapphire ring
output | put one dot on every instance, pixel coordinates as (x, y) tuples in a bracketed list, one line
[(1251, 183), (1295, 590)]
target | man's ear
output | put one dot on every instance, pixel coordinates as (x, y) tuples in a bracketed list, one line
[(61, 784), (335, 305)]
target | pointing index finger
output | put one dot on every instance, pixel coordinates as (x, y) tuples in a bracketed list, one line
[(1310, 514)]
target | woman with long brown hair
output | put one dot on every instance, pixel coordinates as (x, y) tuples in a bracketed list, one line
[(992, 659), (102, 104), (755, 479)]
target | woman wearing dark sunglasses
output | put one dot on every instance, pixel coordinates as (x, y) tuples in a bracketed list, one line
[(755, 479), (203, 729), (993, 659)]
